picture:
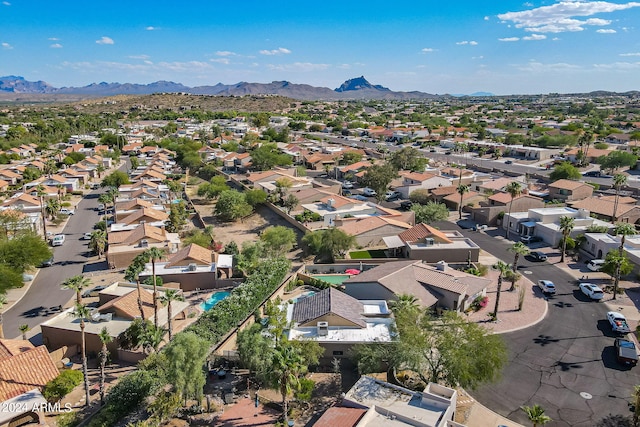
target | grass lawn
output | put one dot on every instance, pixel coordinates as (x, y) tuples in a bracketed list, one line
[(375, 253)]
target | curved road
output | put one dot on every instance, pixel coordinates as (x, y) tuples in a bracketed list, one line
[(566, 363)]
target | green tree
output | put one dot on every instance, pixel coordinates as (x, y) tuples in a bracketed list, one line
[(519, 249), (153, 255), (169, 296), (77, 284), (290, 202), (213, 188), (404, 303), (24, 328), (186, 357), (617, 159), (462, 189), (132, 274), (24, 250), (254, 349), (431, 212), (82, 313), (503, 269), (115, 179), (286, 367), (98, 242), (278, 240), (105, 338), (565, 170), (621, 229), (177, 217), (514, 188), (566, 227), (52, 208), (422, 196), (255, 197), (408, 158), (616, 266), (232, 205), (331, 243), (351, 157), (378, 178), (619, 180), (536, 415), (267, 156)]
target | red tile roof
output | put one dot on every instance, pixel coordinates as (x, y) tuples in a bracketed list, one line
[(25, 371), (338, 416)]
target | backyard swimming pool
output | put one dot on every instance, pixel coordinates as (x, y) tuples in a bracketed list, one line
[(213, 300), (335, 279)]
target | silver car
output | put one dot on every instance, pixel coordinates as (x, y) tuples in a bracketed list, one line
[(547, 286)]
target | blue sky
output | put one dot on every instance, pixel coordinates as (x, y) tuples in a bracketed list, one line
[(503, 47)]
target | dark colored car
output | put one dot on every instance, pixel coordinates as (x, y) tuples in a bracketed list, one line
[(93, 292), (406, 205), (537, 256), (508, 162), (530, 239), (626, 352), (47, 263), (592, 173)]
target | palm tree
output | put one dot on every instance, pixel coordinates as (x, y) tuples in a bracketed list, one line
[(133, 274), (82, 312), (622, 229), (3, 301), (24, 328), (153, 255), (404, 303), (503, 268), (287, 364), (618, 181), (514, 188), (41, 194), (151, 339), (105, 338), (52, 207), (99, 169), (536, 415), (519, 249), (566, 226), (77, 284), (98, 242), (462, 188), (166, 299)]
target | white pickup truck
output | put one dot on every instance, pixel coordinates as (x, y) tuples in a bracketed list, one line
[(618, 322)]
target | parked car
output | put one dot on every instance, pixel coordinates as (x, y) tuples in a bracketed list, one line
[(547, 286), (392, 195), (369, 192), (93, 292), (508, 162), (592, 174), (530, 239), (100, 207), (595, 264), (626, 352), (347, 185), (618, 322), (406, 205), (47, 263), (592, 291), (447, 153), (86, 236), (538, 256), (58, 240), (65, 211)]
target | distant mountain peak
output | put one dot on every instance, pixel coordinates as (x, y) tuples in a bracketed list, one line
[(358, 83)]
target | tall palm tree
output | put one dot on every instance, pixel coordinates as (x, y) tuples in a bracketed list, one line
[(153, 255), (503, 268), (618, 181), (167, 298), (98, 242), (622, 229), (514, 188), (519, 249), (3, 301), (287, 364), (100, 169), (566, 227), (462, 188), (24, 328), (105, 338), (52, 207), (77, 284), (41, 194), (133, 274), (82, 312), (536, 415)]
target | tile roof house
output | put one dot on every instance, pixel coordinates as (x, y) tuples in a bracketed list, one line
[(22, 202), (370, 230), (125, 245), (569, 191), (340, 416), (412, 181), (145, 215), (10, 176), (439, 286), (603, 208)]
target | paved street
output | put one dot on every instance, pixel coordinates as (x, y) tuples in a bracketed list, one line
[(566, 363), (44, 295)]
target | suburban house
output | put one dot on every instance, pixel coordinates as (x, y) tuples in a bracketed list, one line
[(22, 202), (118, 307), (125, 245), (128, 207), (438, 194), (10, 176), (386, 404), (426, 243), (338, 321), (545, 223), (490, 210), (335, 206), (435, 286), (24, 371), (603, 207), (145, 215), (567, 191), (371, 230), (412, 181), (469, 199), (598, 245), (192, 267)]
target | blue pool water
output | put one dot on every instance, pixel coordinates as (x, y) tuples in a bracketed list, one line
[(214, 299)]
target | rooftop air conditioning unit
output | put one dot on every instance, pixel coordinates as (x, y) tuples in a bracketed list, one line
[(429, 241), (144, 243), (192, 267), (323, 329)]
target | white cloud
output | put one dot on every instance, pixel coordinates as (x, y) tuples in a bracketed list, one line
[(143, 57), (150, 28), (6, 46), (278, 51), (509, 39), (56, 46), (560, 17), (486, 18), (105, 40), (53, 39), (473, 43), (535, 37), (465, 42), (6, 3), (225, 61), (428, 50), (603, 31), (298, 66), (477, 57), (620, 66), (225, 53), (630, 54), (539, 67)]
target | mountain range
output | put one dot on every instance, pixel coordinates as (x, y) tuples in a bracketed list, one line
[(356, 88)]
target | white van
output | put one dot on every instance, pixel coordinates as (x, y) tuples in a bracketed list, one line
[(595, 264)]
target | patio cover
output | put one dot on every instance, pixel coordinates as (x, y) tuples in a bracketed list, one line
[(529, 224), (393, 242)]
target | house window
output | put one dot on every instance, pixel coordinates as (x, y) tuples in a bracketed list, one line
[(337, 353), (455, 304)]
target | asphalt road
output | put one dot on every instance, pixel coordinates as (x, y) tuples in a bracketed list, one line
[(566, 363), (45, 294)]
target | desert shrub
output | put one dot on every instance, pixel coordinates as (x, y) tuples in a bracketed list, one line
[(305, 390), (62, 385)]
